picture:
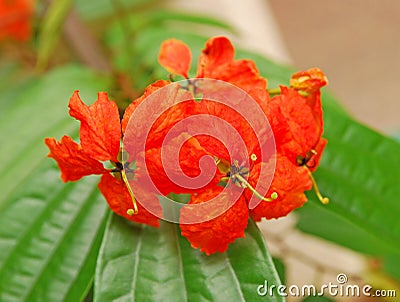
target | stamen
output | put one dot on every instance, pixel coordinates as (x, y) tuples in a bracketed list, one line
[(323, 200), (246, 184), (135, 210), (253, 157)]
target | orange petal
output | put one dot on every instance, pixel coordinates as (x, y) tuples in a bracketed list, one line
[(159, 109), (290, 181), (119, 201), (183, 175), (223, 140), (296, 125), (175, 56), (132, 107), (217, 62), (216, 234), (73, 162), (100, 131), (218, 51)]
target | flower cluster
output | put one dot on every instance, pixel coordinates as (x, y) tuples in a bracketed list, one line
[(276, 180), (15, 19)]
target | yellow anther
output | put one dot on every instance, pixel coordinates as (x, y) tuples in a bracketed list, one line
[(274, 196), (130, 212)]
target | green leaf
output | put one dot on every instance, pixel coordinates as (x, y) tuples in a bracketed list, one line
[(50, 30), (391, 265), (50, 232), (141, 263), (322, 222), (359, 171), (49, 238), (13, 81), (280, 268)]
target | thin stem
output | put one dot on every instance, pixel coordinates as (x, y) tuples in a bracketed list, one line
[(135, 210)]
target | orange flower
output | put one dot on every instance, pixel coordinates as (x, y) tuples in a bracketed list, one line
[(100, 135), (296, 120), (216, 62), (15, 19), (241, 165)]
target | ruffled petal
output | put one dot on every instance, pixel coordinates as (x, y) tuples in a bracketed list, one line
[(293, 121), (289, 182), (73, 162), (100, 131), (117, 196), (218, 51), (216, 234), (160, 108), (217, 62), (181, 158), (222, 143), (132, 107), (175, 56)]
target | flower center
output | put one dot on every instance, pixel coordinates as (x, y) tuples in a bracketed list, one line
[(303, 162), (237, 174)]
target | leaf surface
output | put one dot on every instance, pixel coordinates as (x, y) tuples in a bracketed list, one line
[(140, 263)]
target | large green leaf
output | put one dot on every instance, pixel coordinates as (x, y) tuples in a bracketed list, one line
[(140, 263), (360, 170), (50, 232)]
